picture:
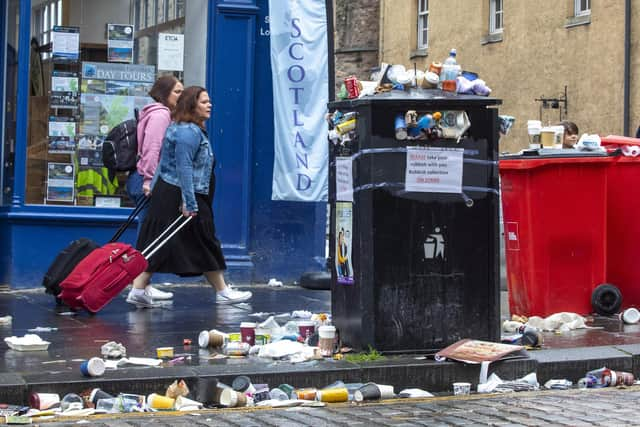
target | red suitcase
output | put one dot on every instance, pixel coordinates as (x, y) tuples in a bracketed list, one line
[(107, 270)]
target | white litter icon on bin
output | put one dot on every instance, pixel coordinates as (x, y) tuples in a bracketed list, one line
[(434, 245)]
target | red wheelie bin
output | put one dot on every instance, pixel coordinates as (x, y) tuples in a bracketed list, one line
[(555, 228)]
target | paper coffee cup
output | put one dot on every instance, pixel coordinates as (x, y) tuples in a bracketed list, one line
[(248, 332), (93, 367), (327, 335), (630, 316), (333, 395), (369, 391), (243, 384), (183, 402), (43, 401), (386, 391), (157, 401), (306, 328), (461, 388), (231, 398)]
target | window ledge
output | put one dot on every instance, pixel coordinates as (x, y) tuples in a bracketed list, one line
[(575, 21), (492, 38), (419, 53)]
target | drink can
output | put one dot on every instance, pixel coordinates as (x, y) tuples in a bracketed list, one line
[(353, 90), (236, 348)]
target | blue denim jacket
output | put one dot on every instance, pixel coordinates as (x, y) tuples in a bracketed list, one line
[(186, 161)]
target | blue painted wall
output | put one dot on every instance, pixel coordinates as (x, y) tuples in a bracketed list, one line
[(261, 238)]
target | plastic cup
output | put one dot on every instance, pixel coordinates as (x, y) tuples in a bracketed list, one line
[(546, 136), (327, 336), (183, 403), (157, 401), (108, 405), (248, 332), (306, 328), (460, 389), (278, 394), (93, 367)]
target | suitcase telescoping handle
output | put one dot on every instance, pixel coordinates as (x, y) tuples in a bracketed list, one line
[(133, 214), (161, 239)]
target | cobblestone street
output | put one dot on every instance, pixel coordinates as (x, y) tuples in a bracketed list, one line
[(602, 407)]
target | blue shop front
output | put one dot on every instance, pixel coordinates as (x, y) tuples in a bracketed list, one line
[(73, 69)]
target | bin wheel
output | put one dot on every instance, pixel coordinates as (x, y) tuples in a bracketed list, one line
[(317, 280), (606, 299)]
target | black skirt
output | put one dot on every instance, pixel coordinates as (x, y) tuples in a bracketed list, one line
[(195, 248)]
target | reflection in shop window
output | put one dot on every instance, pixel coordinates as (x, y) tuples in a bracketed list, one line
[(85, 95)]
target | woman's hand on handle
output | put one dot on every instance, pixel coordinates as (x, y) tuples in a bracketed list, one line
[(186, 212)]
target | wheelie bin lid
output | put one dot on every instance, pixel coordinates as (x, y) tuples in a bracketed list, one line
[(443, 98), (535, 158)]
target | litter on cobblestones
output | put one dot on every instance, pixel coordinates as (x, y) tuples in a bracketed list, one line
[(605, 377), (42, 329), (630, 316), (275, 283), (113, 350), (495, 384), (414, 392), (558, 385), (563, 322), (474, 351), (5, 320)]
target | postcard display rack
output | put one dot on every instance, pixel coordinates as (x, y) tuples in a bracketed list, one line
[(64, 112), (86, 101)]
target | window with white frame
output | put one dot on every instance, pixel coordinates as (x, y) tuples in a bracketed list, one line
[(495, 16), (45, 16), (423, 24), (582, 7)]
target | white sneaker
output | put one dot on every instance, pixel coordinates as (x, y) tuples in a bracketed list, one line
[(232, 296), (157, 294), (141, 300)]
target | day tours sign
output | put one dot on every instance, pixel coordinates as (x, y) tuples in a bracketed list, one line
[(298, 34)]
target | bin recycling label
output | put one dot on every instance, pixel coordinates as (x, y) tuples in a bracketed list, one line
[(434, 170)]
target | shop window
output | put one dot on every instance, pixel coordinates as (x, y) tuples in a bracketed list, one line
[(8, 120), (495, 17), (423, 24), (582, 7), (46, 16), (98, 62)]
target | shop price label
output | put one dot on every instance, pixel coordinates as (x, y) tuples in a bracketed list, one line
[(434, 170)]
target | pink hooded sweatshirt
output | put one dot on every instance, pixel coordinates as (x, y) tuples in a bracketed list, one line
[(153, 121)]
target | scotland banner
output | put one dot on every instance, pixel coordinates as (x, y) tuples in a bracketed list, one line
[(300, 94)]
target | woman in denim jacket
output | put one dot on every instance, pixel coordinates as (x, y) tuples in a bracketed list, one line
[(185, 182)]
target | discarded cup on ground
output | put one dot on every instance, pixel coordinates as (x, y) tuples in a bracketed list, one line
[(630, 316), (248, 332), (183, 403), (243, 384), (306, 328), (231, 398), (71, 401), (97, 394), (368, 391), (327, 336), (93, 367), (43, 401), (333, 395), (212, 338), (461, 388), (157, 401), (261, 393), (109, 405), (304, 393), (278, 394)]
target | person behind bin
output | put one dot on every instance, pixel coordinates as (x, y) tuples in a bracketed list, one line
[(184, 183), (152, 124), (570, 134)]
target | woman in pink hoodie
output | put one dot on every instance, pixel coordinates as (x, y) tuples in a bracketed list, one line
[(153, 121)]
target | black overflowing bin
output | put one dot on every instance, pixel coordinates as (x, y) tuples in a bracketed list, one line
[(414, 270)]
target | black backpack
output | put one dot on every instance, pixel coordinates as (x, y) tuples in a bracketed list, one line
[(120, 147)]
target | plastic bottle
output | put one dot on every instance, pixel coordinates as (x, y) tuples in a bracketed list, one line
[(450, 71), (603, 377)]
